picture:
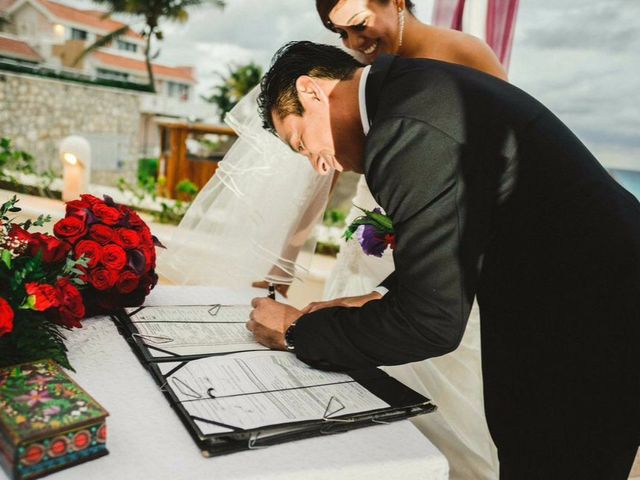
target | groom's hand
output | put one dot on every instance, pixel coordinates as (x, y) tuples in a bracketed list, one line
[(269, 321)]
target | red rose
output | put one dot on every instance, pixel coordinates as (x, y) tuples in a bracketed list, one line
[(43, 296), (147, 238), (102, 234), (106, 214), (127, 282), (102, 278), (127, 238), (77, 205), (70, 229), (20, 234), (78, 208), (114, 257), (124, 209), (6, 317), (71, 306), (53, 250), (91, 250), (135, 221), (90, 199)]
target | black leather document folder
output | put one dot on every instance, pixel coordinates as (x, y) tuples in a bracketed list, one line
[(255, 398)]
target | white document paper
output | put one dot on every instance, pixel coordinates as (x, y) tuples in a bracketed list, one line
[(253, 389), (195, 330)]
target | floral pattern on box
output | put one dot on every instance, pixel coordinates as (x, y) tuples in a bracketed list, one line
[(37, 399)]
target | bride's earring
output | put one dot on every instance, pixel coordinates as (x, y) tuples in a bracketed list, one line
[(400, 29)]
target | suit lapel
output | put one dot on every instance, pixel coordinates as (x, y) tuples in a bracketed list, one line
[(375, 82)]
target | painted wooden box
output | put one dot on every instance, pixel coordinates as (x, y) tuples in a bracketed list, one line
[(47, 422)]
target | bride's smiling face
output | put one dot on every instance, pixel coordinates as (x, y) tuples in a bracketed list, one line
[(369, 27)]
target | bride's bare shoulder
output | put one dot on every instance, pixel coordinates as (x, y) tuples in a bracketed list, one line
[(453, 46)]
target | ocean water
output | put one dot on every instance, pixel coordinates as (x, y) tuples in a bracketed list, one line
[(629, 179)]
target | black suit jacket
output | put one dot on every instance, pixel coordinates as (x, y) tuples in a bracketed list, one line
[(491, 195)]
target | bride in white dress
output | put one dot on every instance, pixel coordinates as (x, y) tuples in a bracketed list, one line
[(254, 216)]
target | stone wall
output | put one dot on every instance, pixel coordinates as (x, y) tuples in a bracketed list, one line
[(36, 113)]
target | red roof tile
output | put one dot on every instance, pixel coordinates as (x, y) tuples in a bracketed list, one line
[(17, 49), (178, 73), (89, 18), (5, 4)]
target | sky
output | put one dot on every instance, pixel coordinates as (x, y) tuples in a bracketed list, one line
[(580, 58)]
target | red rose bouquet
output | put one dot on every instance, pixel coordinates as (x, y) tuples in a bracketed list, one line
[(119, 248), (39, 294)]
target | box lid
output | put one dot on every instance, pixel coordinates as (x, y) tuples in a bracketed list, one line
[(38, 400)]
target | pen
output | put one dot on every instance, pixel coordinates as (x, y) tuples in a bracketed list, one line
[(272, 291)]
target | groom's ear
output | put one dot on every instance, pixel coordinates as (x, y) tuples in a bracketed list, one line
[(309, 91)]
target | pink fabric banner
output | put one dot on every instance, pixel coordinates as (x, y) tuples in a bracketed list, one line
[(501, 22), (500, 27), (448, 13)]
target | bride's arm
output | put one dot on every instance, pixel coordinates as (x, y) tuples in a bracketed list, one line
[(301, 232)]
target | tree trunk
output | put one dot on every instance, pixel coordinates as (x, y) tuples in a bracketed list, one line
[(147, 58)]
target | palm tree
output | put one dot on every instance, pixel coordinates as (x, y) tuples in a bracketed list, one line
[(239, 81), (152, 11)]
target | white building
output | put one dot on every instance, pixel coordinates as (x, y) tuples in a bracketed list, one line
[(53, 35)]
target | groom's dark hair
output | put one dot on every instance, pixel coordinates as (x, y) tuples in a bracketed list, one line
[(278, 87)]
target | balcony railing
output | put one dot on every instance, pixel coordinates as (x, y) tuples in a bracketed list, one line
[(176, 107), (59, 73)]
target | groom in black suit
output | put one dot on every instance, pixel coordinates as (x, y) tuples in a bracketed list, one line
[(490, 196)]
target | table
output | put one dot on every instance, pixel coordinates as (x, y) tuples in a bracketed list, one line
[(146, 439)]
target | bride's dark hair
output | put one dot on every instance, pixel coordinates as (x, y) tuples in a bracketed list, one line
[(324, 8)]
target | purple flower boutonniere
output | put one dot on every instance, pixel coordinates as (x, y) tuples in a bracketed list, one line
[(374, 231)]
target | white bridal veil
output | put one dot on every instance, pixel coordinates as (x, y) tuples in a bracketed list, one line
[(253, 216)]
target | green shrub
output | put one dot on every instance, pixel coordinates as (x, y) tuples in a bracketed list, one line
[(334, 218), (148, 168), (15, 160), (186, 189)]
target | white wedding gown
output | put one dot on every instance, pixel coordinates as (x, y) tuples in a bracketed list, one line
[(454, 381)]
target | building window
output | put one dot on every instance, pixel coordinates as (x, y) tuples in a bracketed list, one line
[(77, 34), (127, 46), (178, 90), (112, 74)]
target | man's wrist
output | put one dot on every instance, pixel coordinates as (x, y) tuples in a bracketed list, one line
[(289, 340)]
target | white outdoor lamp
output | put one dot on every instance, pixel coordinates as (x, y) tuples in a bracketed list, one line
[(75, 155)]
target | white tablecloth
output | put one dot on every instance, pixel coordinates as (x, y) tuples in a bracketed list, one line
[(146, 439)]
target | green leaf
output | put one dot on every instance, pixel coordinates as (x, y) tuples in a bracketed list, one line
[(382, 220), (29, 303), (6, 258), (41, 220), (6, 206)]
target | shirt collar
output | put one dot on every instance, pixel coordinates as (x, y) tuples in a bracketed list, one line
[(362, 101)]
